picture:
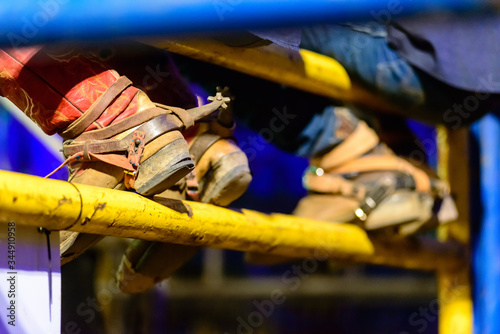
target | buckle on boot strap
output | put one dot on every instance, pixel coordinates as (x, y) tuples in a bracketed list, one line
[(378, 193), (135, 151)]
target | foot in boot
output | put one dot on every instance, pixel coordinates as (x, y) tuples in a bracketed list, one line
[(113, 132), (361, 181), (220, 177)]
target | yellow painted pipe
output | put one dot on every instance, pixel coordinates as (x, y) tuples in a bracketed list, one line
[(308, 71), (322, 75), (60, 205)]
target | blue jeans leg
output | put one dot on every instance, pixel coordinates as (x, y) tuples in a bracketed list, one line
[(363, 50)]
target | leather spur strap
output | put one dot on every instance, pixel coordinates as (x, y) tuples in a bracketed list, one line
[(135, 151), (169, 119), (386, 163), (123, 125), (152, 129), (361, 141), (333, 184)]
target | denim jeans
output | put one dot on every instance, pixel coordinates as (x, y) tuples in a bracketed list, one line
[(366, 55), (363, 51)]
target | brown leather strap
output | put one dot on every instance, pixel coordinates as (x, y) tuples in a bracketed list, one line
[(153, 129), (362, 140), (384, 163), (123, 125), (97, 146), (96, 109), (185, 117), (111, 159), (333, 184)]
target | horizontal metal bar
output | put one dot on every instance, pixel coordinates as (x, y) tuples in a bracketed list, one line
[(308, 71), (60, 205), (28, 22)]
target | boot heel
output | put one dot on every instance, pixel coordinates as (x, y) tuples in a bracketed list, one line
[(164, 168), (227, 179)]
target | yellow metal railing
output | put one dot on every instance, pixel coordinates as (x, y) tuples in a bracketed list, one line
[(60, 205), (307, 71)]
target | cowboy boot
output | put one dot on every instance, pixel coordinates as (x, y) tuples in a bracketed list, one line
[(221, 176), (114, 135), (361, 181)]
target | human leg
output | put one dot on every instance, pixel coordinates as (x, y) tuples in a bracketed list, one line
[(368, 58), (360, 180), (72, 92)]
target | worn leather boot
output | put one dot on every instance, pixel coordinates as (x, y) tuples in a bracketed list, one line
[(115, 136), (361, 181), (221, 176)]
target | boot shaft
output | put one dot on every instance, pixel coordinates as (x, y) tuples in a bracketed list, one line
[(54, 87)]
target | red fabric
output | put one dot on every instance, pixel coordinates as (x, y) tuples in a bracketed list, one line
[(55, 87)]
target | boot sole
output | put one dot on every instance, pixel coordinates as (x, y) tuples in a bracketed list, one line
[(228, 179), (163, 169)]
